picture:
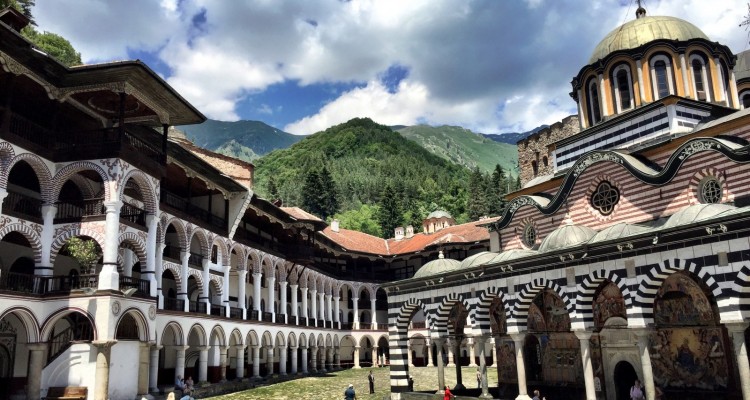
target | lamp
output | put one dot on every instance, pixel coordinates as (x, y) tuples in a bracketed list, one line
[(655, 239)]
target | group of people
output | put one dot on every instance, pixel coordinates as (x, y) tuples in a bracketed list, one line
[(185, 386), (351, 394)]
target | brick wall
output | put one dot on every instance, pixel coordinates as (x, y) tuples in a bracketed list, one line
[(537, 149)]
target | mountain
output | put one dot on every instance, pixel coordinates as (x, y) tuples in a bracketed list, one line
[(463, 146), (512, 137), (246, 140), (362, 158)]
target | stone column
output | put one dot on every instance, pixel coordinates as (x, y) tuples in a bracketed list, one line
[(457, 355), (153, 379), (304, 305), (242, 278), (295, 353), (641, 89), (256, 361), (159, 270), (472, 352), (36, 365), (336, 311), (329, 308), (240, 362), (282, 360), (685, 84), (733, 90), (179, 369), (722, 92), (271, 281), (439, 342), (480, 343), (355, 322), (223, 362), (225, 291), (737, 332), (356, 358), (429, 363), (450, 356), (322, 359), (321, 307), (374, 317), (518, 339), (150, 272), (588, 369), (581, 117), (143, 370), (493, 345), (203, 365), (304, 360), (375, 356), (648, 374), (109, 277), (103, 347), (295, 314), (603, 97), (409, 360), (256, 294), (44, 268), (206, 283), (269, 360), (337, 358), (314, 308), (185, 268), (314, 359), (282, 303)]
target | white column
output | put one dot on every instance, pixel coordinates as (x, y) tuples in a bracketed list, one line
[(409, 359), (329, 309), (641, 90), (314, 359), (336, 311), (101, 374), (518, 339), (256, 361), (304, 303), (722, 88), (429, 353), (472, 352), (223, 363), (240, 361), (581, 118), (271, 282), (588, 369), (179, 369), (269, 360), (46, 238), (685, 83), (648, 373), (355, 323), (225, 290), (150, 272), (737, 332), (242, 277), (37, 352), (321, 307), (185, 257), (304, 360), (603, 96), (314, 300), (374, 317), (203, 365), (295, 314), (206, 299), (282, 360), (356, 357), (109, 278), (295, 353), (159, 269), (256, 294), (282, 304), (493, 345), (480, 343), (441, 369), (154, 369)]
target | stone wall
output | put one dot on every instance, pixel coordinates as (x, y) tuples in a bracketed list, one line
[(537, 149)]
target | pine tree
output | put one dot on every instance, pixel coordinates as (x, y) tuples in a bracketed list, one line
[(312, 193), (389, 212), (329, 196), (499, 187), (273, 190), (477, 204)]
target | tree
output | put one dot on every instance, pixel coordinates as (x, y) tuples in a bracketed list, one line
[(497, 191), (477, 205), (86, 252), (389, 212), (312, 194), (54, 45), (329, 196), (273, 191), (361, 220)]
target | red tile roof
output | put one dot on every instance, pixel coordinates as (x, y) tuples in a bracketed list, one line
[(299, 213)]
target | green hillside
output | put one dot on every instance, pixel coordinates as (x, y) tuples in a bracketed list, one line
[(463, 146), (246, 140), (363, 158)]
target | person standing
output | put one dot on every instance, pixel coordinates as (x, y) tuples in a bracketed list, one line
[(636, 392), (537, 395), (371, 380), (447, 395), (479, 379), (349, 393)]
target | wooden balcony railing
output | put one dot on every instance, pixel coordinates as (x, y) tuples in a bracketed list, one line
[(133, 214), (74, 211), (142, 286), (174, 304), (23, 206)]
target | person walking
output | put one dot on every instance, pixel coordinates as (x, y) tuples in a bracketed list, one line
[(349, 393), (447, 395), (371, 380)]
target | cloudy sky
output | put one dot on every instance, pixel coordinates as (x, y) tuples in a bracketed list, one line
[(303, 65)]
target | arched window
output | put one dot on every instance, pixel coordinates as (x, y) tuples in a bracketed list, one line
[(661, 76), (534, 168), (701, 82), (745, 99), (623, 88), (592, 99)]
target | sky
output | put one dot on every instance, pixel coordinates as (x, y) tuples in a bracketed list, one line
[(491, 66)]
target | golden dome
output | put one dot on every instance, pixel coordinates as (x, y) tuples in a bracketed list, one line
[(643, 30)]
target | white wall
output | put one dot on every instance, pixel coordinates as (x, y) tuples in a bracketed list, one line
[(123, 370)]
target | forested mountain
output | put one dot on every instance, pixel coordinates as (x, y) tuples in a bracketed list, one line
[(512, 137), (246, 140), (462, 146), (368, 166)]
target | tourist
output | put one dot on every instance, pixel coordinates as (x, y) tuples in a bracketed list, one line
[(371, 380), (636, 392), (447, 395), (349, 393), (411, 383), (179, 384), (188, 387), (537, 395), (479, 378)]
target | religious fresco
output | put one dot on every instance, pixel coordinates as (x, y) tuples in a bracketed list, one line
[(506, 361), (497, 318), (689, 358), (561, 358), (681, 302), (548, 314), (608, 303)]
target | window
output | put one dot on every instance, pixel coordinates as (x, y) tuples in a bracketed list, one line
[(623, 88), (604, 198), (701, 83), (534, 168), (592, 99), (529, 236), (745, 99), (709, 190), (661, 76)]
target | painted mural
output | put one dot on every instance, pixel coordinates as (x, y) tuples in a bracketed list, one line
[(688, 348), (561, 358), (608, 303), (497, 318), (506, 361), (548, 314)]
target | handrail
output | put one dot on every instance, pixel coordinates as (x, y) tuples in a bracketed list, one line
[(22, 205), (133, 214)]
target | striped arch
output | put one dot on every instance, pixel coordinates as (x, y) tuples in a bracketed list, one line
[(444, 311), (655, 277), (584, 316), (200, 235), (6, 155), (218, 332), (253, 261), (198, 278), (176, 272), (27, 318), (480, 313), (150, 203), (219, 282), (177, 333), (526, 296), (181, 232), (30, 234), (69, 170), (235, 338), (200, 332), (221, 246), (136, 242), (267, 265), (74, 230), (84, 185), (742, 291), (241, 256), (40, 168), (398, 343)]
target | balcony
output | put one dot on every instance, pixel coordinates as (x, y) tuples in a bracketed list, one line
[(190, 212), (197, 307), (142, 286), (76, 211), (46, 285), (217, 310), (235, 313), (133, 216), (174, 304), (23, 206)]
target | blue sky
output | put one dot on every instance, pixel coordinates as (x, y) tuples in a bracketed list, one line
[(303, 65)]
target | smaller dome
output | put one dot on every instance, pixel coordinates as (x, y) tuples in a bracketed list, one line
[(439, 214), (566, 236), (617, 231), (478, 259), (439, 266), (695, 213), (513, 254)]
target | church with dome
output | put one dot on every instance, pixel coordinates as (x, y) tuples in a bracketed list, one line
[(626, 254)]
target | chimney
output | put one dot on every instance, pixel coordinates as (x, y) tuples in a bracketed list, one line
[(399, 233), (409, 231), (335, 225)]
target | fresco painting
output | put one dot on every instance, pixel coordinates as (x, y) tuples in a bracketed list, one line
[(608, 303)]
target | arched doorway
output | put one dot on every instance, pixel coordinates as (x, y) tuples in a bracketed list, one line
[(624, 378)]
